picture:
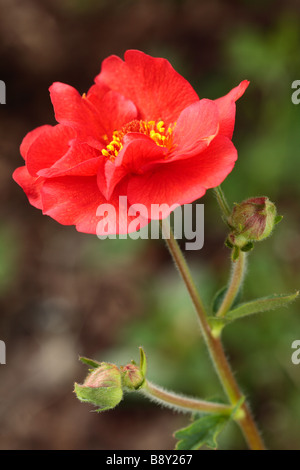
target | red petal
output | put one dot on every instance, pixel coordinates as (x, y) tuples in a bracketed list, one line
[(49, 146), (135, 157), (70, 110), (114, 110), (73, 200), (117, 219), (30, 138), (87, 168), (197, 125), (227, 108), (92, 116), (184, 181), (98, 90), (80, 160), (157, 90), (30, 185)]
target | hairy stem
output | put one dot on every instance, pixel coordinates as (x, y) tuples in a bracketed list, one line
[(214, 345), (172, 400), (238, 271), (222, 202)]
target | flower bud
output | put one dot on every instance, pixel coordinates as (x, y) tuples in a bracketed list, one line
[(132, 377), (251, 220), (102, 387)]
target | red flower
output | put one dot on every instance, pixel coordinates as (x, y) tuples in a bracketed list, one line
[(141, 132)]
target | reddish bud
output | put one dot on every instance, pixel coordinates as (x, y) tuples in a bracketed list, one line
[(102, 387), (132, 377), (252, 220)]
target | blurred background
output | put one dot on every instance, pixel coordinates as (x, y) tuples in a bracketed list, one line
[(64, 294)]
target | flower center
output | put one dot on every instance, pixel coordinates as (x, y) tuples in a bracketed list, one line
[(162, 136)]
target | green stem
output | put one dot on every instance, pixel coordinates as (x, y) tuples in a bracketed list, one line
[(222, 202), (180, 402), (238, 272), (214, 345)]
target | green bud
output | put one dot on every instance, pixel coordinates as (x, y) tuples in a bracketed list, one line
[(102, 387), (251, 220), (132, 377)]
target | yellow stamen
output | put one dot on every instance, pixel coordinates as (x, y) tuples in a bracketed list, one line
[(160, 126), (156, 131)]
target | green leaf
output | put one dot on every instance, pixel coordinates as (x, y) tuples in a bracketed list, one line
[(218, 299), (260, 305), (143, 362), (202, 431), (235, 253), (90, 362), (105, 398), (228, 243), (248, 247), (278, 218)]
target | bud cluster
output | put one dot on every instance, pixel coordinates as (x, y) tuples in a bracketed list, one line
[(106, 382)]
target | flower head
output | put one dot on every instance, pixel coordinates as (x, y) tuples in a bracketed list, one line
[(141, 131), (132, 377), (102, 387), (252, 220)]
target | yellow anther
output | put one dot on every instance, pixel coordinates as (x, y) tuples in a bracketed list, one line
[(160, 126), (156, 131)]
